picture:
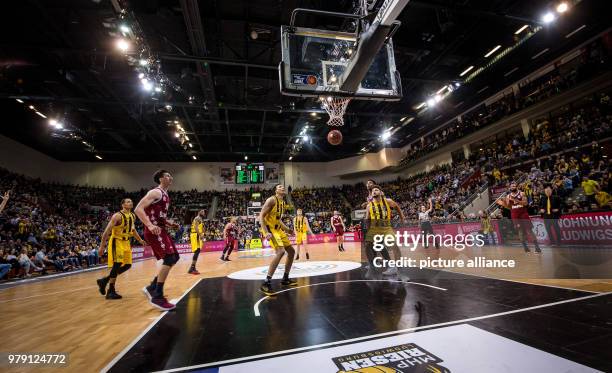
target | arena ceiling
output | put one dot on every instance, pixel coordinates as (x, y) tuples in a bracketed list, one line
[(220, 59)]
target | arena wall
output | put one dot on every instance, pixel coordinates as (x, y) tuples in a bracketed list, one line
[(19, 158)]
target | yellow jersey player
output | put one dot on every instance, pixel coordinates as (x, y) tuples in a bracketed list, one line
[(378, 216), (120, 228), (196, 236), (301, 228), (273, 229)]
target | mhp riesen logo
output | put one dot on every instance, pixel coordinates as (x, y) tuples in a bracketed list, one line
[(405, 358)]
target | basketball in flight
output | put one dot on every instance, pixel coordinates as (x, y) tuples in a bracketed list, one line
[(334, 137)]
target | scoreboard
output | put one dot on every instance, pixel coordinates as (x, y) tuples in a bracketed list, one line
[(250, 173)]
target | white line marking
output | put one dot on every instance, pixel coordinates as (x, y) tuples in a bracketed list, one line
[(256, 306), (403, 331), (516, 281), (56, 275), (67, 291), (139, 337)]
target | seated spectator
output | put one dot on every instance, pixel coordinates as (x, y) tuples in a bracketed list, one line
[(26, 263)]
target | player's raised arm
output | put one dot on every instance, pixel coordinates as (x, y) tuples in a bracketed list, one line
[(116, 218), (151, 197), (265, 210)]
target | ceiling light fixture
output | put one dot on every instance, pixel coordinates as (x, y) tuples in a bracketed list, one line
[(520, 30), (492, 50), (466, 71)]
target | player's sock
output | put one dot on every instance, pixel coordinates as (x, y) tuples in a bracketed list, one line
[(153, 284), (307, 256), (525, 247), (268, 280), (111, 288), (159, 290)]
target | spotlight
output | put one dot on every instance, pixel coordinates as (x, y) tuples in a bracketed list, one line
[(124, 29), (333, 79), (123, 45), (437, 98), (329, 98), (18, 100), (190, 145), (246, 157), (146, 85), (548, 17), (141, 76), (194, 157), (562, 8), (186, 138), (457, 84), (97, 156), (176, 134), (32, 107), (431, 102), (168, 107), (143, 62), (41, 114), (158, 89), (313, 114), (386, 135), (306, 138), (53, 122), (290, 158)]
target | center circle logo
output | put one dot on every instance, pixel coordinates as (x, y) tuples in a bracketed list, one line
[(301, 269)]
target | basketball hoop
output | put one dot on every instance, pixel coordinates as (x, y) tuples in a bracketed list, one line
[(335, 107)]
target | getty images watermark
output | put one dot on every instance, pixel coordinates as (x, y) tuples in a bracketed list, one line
[(411, 241)]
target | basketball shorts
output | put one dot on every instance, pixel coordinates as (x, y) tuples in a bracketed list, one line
[(339, 232), (231, 242), (301, 238), (161, 244), (378, 228), (279, 239), (195, 242), (119, 251)]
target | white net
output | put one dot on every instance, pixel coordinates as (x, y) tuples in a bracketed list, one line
[(335, 108)]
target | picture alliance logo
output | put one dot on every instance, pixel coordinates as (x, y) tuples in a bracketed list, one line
[(405, 358)]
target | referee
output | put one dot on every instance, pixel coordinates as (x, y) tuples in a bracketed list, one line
[(425, 221)]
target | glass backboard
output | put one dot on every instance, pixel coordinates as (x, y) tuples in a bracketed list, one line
[(314, 61)]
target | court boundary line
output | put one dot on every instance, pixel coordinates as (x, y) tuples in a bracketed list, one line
[(122, 353), (256, 305), (55, 276), (376, 336), (522, 282)]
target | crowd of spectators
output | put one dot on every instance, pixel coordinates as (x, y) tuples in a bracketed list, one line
[(594, 60)]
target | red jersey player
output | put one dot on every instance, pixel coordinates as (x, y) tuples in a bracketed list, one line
[(230, 235), (338, 227), (152, 210), (517, 202)]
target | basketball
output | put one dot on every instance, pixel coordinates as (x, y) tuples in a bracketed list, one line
[(334, 137)]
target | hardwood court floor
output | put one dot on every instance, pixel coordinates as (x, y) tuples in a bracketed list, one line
[(67, 314)]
